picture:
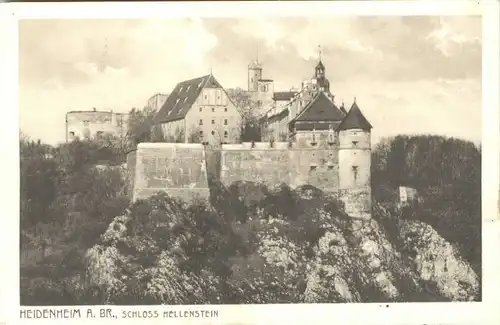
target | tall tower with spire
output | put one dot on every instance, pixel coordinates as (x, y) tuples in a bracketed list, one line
[(254, 73)]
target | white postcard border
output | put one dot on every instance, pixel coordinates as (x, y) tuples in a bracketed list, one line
[(414, 313)]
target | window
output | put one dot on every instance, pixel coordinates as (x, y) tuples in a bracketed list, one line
[(225, 109), (330, 167), (201, 109), (225, 134), (225, 121), (355, 173), (180, 89), (99, 133), (213, 109), (201, 133), (206, 96), (201, 122), (72, 134), (311, 168), (213, 132), (355, 143), (213, 121), (86, 122)]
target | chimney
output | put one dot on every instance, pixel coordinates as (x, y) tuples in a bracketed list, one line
[(94, 109)]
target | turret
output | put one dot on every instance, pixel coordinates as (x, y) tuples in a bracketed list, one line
[(320, 70), (254, 75), (354, 134)]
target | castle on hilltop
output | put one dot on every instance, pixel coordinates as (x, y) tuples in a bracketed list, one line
[(307, 140)]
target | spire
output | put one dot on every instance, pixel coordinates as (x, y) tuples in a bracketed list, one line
[(255, 63), (355, 120), (320, 68)]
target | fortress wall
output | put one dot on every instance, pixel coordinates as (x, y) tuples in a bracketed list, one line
[(131, 163), (213, 162), (183, 170), (273, 165), (179, 169), (357, 202)]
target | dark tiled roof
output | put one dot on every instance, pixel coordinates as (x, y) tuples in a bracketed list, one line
[(309, 126), (355, 120), (183, 97), (284, 95), (320, 108), (342, 108), (320, 65)]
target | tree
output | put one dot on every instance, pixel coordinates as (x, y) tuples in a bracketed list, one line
[(140, 126), (253, 126), (194, 135), (226, 135)]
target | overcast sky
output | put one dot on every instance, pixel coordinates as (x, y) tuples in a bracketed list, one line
[(408, 74)]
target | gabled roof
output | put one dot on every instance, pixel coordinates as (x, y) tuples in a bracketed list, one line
[(320, 108), (284, 95), (355, 120), (183, 97)]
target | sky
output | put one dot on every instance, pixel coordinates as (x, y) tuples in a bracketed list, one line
[(409, 74)]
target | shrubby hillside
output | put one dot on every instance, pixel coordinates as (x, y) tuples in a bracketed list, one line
[(69, 195), (446, 173), (253, 244)]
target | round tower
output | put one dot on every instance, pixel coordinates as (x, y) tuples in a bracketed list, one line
[(254, 75), (354, 136)]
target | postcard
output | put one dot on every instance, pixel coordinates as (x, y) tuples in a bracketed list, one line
[(251, 162)]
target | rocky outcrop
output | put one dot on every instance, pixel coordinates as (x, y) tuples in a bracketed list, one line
[(311, 252)]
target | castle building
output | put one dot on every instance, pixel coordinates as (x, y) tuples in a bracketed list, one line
[(199, 110), (90, 124), (307, 140), (156, 101)]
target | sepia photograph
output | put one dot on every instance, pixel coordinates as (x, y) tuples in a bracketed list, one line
[(250, 161)]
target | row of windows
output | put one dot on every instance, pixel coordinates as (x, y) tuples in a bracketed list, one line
[(97, 133), (206, 97), (213, 109), (226, 134), (213, 122)]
